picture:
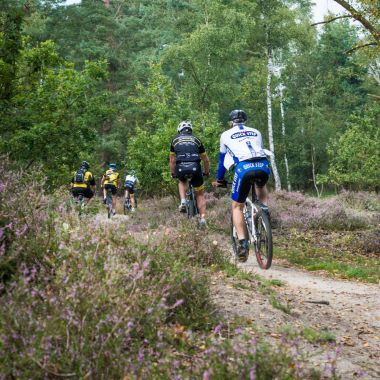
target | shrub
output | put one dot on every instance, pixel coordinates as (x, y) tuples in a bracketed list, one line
[(87, 299), (361, 200), (26, 214), (300, 211)]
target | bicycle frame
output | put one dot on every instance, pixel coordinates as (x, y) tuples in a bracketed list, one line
[(249, 213), (109, 202)]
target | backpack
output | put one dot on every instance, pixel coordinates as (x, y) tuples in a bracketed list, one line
[(79, 176), (110, 176)]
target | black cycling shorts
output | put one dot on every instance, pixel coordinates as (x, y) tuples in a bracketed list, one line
[(130, 186), (112, 187), (184, 170), (85, 191)]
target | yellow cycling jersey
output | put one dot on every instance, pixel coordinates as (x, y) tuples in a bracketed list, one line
[(110, 178), (88, 180)]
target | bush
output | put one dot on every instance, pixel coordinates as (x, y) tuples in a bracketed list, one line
[(361, 200), (26, 227), (354, 157), (292, 209), (83, 294), (86, 299)]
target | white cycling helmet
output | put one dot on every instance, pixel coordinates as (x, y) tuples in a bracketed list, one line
[(184, 124)]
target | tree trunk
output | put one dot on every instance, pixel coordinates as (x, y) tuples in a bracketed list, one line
[(359, 16), (277, 181), (284, 137), (319, 192)]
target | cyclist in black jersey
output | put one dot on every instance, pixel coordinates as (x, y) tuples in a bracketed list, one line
[(186, 153)]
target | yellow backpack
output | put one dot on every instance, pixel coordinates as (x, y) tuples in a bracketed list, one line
[(110, 176)]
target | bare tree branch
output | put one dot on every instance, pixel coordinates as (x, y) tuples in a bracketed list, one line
[(359, 17), (332, 19), (360, 46), (377, 97)]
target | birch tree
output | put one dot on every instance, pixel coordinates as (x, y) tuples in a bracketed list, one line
[(277, 180), (281, 88)]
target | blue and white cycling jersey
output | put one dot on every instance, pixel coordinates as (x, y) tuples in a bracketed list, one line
[(130, 181), (237, 144)]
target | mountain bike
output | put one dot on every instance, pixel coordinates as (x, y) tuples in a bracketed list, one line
[(109, 202), (191, 201), (259, 231)]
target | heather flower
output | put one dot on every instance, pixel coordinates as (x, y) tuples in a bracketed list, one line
[(207, 374), (218, 329)]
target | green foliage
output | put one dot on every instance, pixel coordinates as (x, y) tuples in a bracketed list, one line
[(203, 57), (148, 149), (355, 156), (213, 56), (54, 112)]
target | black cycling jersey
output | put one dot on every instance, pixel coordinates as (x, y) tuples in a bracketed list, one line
[(187, 148)]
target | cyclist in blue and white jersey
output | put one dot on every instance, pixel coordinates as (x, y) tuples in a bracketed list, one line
[(241, 148), (130, 187)]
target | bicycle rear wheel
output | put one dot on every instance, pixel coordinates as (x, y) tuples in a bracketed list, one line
[(109, 203), (127, 205), (191, 205), (263, 244), (190, 208)]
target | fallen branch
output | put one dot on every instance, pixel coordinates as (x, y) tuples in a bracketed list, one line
[(374, 96), (51, 371), (319, 302)]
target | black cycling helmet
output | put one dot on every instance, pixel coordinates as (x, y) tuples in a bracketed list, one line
[(85, 165), (238, 116)]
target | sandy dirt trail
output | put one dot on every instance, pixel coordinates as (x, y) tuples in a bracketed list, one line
[(352, 313)]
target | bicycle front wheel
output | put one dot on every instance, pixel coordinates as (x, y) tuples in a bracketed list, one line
[(263, 243), (127, 206), (109, 203)]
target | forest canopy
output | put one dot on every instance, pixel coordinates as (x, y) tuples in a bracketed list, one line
[(110, 81)]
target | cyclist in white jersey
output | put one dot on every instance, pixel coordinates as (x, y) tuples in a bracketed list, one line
[(129, 186), (241, 148)]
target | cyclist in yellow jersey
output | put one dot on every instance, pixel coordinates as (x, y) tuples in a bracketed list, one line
[(83, 182), (111, 180)]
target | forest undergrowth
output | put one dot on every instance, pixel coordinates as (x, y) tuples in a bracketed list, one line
[(130, 297)]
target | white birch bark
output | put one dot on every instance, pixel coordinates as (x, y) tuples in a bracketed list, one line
[(283, 130), (277, 180), (319, 192)]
